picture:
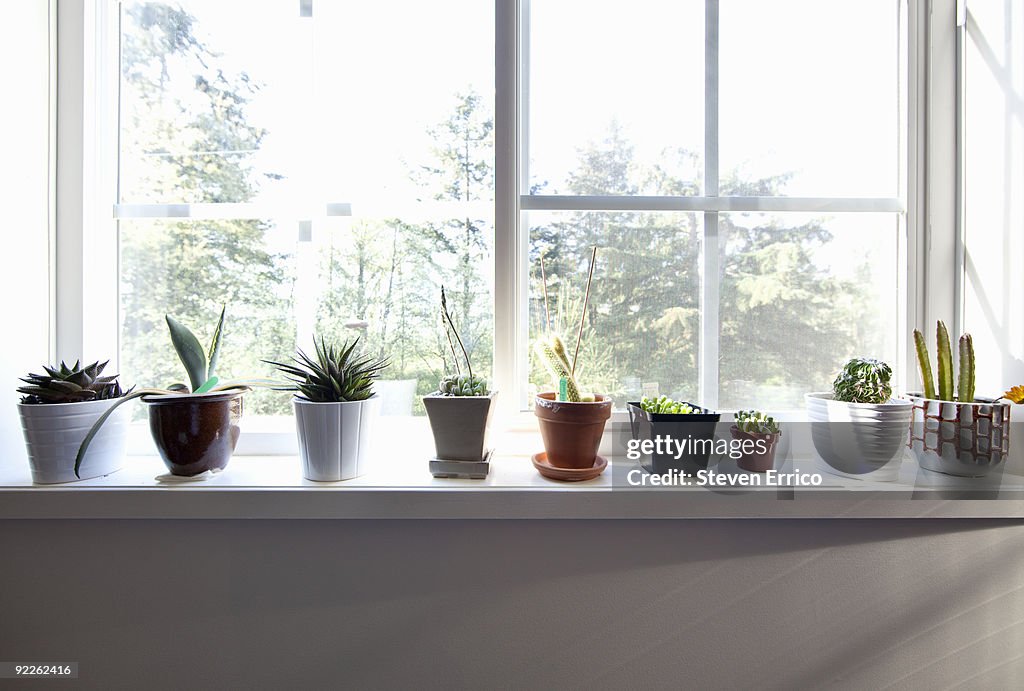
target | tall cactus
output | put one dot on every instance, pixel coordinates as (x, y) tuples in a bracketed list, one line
[(965, 385), (547, 350), (945, 357), (924, 364)]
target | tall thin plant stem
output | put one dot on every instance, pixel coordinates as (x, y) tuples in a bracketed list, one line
[(586, 299), (469, 365), (445, 319), (544, 285)]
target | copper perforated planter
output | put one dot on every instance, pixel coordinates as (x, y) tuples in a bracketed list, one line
[(964, 439), (571, 431)]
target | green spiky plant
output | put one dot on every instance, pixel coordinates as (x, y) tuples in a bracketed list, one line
[(200, 366), (756, 422), (458, 384), (338, 374), (863, 380), (965, 382), (663, 405), (74, 384)]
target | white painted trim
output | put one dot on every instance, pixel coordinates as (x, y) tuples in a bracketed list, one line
[(710, 248), (86, 239), (712, 203), (232, 211), (507, 282)]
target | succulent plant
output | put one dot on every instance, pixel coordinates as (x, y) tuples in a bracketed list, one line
[(200, 366), (337, 375), (756, 422), (863, 380), (462, 385), (666, 406), (965, 382), (75, 384), (458, 384)]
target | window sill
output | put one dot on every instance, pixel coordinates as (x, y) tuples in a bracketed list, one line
[(271, 487)]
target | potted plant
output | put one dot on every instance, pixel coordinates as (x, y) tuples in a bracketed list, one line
[(858, 427), (460, 410), (571, 422), (689, 427), (57, 409), (195, 427), (760, 434), (954, 432), (335, 407)]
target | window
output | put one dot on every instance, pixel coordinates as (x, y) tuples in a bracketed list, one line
[(321, 167), (738, 164), (326, 167)]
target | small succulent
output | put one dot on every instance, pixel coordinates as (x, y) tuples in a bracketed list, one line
[(337, 375), (863, 380), (664, 405), (756, 422), (965, 382), (70, 384), (462, 385)]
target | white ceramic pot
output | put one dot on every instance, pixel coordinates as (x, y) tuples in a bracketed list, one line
[(858, 438), (54, 431), (334, 438), (964, 439)]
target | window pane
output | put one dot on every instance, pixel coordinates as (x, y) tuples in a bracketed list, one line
[(348, 105), (376, 279), (208, 113), (643, 322), (622, 86), (800, 295), (809, 97)]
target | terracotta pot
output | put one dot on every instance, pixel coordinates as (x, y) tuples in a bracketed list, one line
[(696, 431), (571, 431), (757, 461), (195, 432)]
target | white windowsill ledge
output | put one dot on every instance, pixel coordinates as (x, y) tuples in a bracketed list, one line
[(272, 487)]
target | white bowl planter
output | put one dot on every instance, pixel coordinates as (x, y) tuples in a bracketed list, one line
[(964, 439), (54, 431), (859, 438), (334, 438)]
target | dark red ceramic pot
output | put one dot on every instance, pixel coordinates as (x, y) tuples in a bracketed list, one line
[(195, 432), (757, 461)]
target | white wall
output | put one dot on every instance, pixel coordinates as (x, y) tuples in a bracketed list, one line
[(24, 199), (847, 604), (994, 299)]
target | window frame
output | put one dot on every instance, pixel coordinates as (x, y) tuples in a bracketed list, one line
[(84, 304)]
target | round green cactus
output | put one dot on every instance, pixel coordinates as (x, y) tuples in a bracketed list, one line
[(863, 380)]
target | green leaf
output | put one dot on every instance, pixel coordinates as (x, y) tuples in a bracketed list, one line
[(215, 345), (207, 385), (189, 351)]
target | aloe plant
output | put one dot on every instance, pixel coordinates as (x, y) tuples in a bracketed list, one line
[(63, 384), (200, 367), (965, 383)]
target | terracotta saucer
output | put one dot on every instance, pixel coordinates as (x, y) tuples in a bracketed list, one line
[(540, 462)]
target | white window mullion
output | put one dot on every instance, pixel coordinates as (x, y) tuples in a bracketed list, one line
[(509, 261), (710, 260)]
